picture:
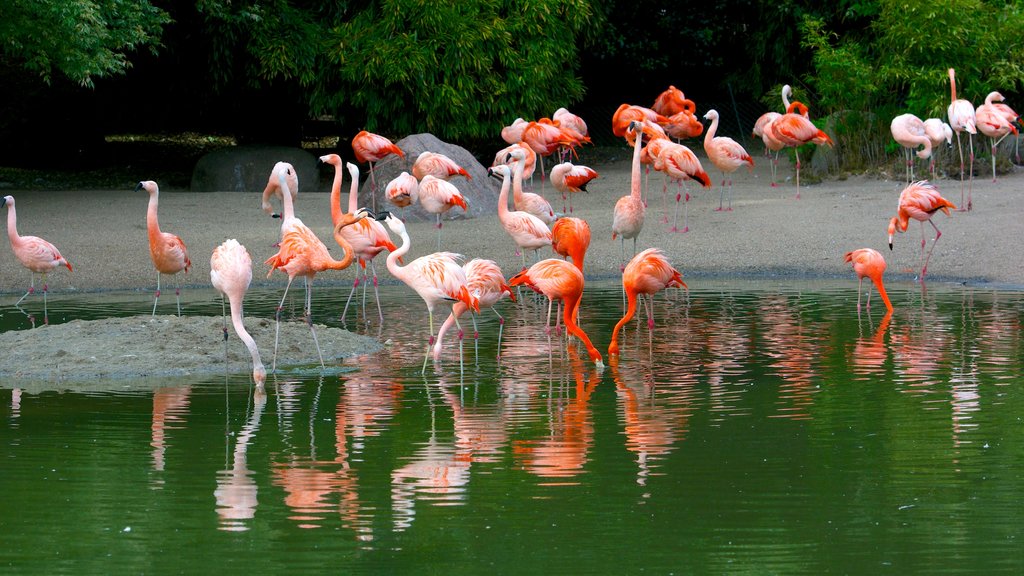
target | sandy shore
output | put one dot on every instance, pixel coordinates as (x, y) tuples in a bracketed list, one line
[(768, 233)]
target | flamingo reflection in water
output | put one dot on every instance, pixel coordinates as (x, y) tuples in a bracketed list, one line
[(869, 354), (793, 346), (236, 486), (170, 406)]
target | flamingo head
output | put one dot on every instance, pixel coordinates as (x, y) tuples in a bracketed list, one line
[(148, 186), (7, 201), (353, 170), (892, 230), (332, 159), (394, 222), (711, 115), (500, 171), (517, 154)]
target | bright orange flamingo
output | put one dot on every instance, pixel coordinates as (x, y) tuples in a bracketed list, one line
[(562, 281), (938, 132), (725, 153), (301, 253), (868, 263), (962, 119), (920, 201), (403, 190), (486, 283), (231, 274), (628, 214), (570, 179), (526, 230), (527, 201), (570, 238), (438, 165), (995, 121), (368, 238), (273, 188), (795, 129), (167, 250), (370, 148), (910, 132), (437, 278), (670, 102), (628, 113), (684, 124), (648, 273), (34, 253), (438, 196)]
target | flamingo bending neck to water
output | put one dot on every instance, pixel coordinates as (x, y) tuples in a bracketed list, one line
[(231, 274)]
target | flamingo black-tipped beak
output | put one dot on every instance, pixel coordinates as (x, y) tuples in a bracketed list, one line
[(369, 213), (493, 174), (890, 246), (381, 216), (138, 186), (275, 215)]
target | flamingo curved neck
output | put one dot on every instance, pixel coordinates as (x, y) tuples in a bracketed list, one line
[(152, 222), (503, 210), (517, 179), (12, 225), (245, 337), (392, 262), (709, 136)]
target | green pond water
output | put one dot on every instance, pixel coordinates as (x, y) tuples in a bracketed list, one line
[(760, 428)]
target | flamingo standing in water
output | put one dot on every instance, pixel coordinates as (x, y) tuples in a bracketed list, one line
[(570, 179), (628, 214), (301, 253), (231, 274), (273, 188), (370, 148), (909, 131), (562, 281), (962, 119), (920, 201), (437, 278), (486, 283), (648, 273), (167, 250), (570, 238), (34, 253), (527, 201), (526, 230), (403, 190), (725, 153), (368, 238), (868, 263), (438, 196), (994, 121)]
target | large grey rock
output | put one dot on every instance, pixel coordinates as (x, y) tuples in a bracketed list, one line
[(481, 192), (247, 169)]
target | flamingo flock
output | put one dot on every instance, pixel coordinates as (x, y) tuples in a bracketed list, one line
[(445, 284)]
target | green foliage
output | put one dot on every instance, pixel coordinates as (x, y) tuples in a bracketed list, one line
[(81, 39)]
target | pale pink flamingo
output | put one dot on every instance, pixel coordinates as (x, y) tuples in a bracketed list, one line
[(370, 148), (1011, 115), (759, 126), (938, 132), (167, 250), (570, 179), (437, 278), (437, 165), (910, 132), (526, 230), (725, 153), (34, 253), (438, 196), (513, 133), (669, 102), (920, 201), (403, 190), (628, 214), (961, 119), (570, 238), (772, 144), (562, 281), (795, 129), (528, 201), (995, 122), (681, 164), (486, 283), (273, 188), (648, 273), (502, 157), (301, 253), (868, 263), (573, 123), (231, 274), (368, 238), (544, 137)]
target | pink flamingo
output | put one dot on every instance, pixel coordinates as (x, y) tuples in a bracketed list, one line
[(961, 119), (527, 201), (301, 253), (868, 263), (910, 132), (680, 163), (437, 165), (572, 123), (759, 126), (368, 238), (437, 278), (513, 133), (403, 190), (629, 113), (796, 129), (34, 253), (231, 274), (648, 273), (544, 137), (273, 188), (570, 179), (1010, 114), (530, 166), (485, 282), (526, 230), (438, 196), (628, 214), (725, 153), (562, 281), (938, 132), (920, 201), (167, 251), (370, 148), (772, 144), (995, 121)]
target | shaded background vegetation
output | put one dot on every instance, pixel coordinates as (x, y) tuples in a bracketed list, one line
[(76, 72)]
